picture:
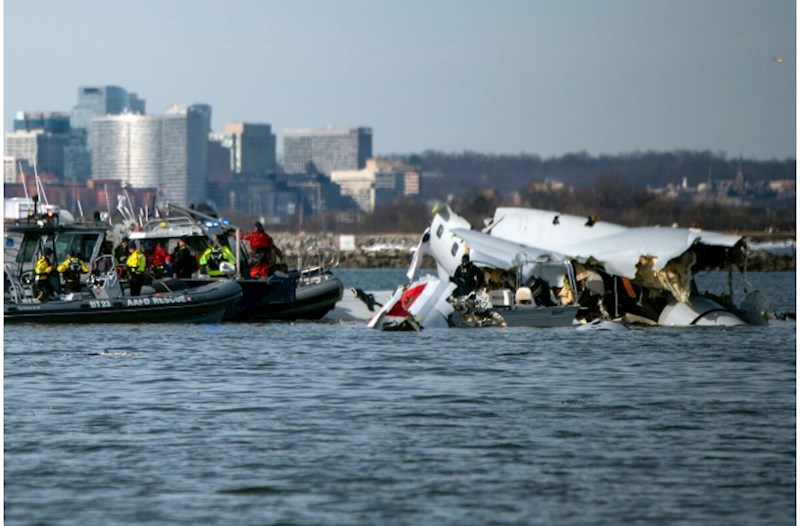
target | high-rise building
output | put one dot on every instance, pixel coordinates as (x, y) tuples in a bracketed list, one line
[(168, 152), (326, 149), (184, 140), (93, 102), (98, 101), (49, 121), (127, 148), (42, 150), (252, 147)]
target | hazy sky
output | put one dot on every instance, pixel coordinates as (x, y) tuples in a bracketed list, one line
[(545, 77)]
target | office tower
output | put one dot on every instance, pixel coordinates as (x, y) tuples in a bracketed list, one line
[(51, 122), (98, 101), (42, 150), (252, 147), (39, 139), (127, 148), (184, 166), (93, 102), (326, 149)]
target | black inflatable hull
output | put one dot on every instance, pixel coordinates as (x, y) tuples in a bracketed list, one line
[(204, 304), (282, 298)]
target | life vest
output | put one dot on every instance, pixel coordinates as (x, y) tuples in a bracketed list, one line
[(43, 268), (214, 259), (136, 262), (74, 269)]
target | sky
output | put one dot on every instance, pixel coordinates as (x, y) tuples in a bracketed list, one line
[(543, 77)]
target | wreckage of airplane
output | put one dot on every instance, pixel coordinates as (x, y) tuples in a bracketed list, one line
[(545, 268)]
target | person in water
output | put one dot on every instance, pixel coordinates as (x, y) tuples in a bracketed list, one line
[(72, 268)]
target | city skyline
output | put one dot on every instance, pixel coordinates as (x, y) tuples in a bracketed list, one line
[(539, 77)]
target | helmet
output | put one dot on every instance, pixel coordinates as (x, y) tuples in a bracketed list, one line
[(227, 268)]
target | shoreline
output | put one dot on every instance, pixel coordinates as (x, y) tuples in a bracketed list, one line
[(396, 250)]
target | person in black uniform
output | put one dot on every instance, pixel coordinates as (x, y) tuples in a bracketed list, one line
[(184, 262), (467, 276)]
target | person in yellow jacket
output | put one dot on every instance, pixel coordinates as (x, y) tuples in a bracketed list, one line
[(71, 268), (44, 268), (215, 254), (135, 265)]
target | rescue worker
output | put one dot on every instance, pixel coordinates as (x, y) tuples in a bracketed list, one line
[(156, 258), (72, 268), (44, 268), (135, 265), (263, 251), (467, 276), (121, 256), (215, 254), (184, 262)]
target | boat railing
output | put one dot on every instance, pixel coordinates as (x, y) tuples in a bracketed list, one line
[(314, 264), (103, 280), (21, 292)]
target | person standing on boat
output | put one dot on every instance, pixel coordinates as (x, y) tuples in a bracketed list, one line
[(263, 251), (136, 265), (467, 276), (214, 255), (121, 256), (72, 268), (156, 259), (183, 261), (43, 270)]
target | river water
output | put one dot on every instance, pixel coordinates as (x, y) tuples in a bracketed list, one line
[(317, 424)]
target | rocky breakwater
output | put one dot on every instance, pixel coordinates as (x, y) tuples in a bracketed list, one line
[(396, 250), (355, 251)]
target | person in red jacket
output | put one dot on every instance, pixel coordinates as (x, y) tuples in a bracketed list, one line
[(156, 259), (262, 251)]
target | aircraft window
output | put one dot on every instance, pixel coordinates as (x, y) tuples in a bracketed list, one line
[(440, 231), (454, 249)]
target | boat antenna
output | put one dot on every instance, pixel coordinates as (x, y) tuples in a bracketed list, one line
[(130, 203), (80, 208), (108, 204), (22, 176), (39, 185)]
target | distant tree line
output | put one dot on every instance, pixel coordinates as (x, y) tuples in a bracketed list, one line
[(614, 188), (447, 173)]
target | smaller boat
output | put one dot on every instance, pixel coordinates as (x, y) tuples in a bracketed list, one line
[(518, 310), (306, 291), (105, 302)]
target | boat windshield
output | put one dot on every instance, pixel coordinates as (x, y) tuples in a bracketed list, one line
[(83, 243)]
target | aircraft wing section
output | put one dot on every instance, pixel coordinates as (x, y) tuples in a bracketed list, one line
[(501, 253), (621, 252)]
